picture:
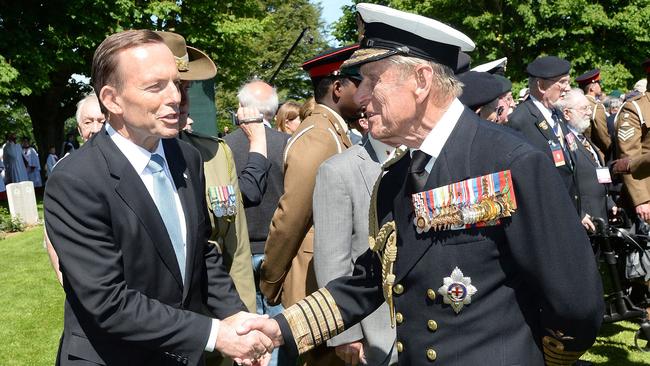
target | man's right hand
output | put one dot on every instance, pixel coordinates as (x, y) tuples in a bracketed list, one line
[(351, 353), (254, 131), (269, 327), (249, 346), (621, 166), (643, 210)]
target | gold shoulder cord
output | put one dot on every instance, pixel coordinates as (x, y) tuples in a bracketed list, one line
[(383, 241)]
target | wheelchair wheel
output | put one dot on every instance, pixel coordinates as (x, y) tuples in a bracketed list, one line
[(641, 342)]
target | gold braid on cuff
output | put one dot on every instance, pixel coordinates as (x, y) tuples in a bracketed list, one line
[(314, 320), (555, 355)]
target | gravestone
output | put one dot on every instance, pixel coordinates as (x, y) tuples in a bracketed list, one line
[(22, 202)]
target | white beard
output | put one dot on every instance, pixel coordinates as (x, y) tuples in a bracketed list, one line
[(580, 125)]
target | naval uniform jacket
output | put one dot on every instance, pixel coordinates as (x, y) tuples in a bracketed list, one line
[(530, 121), (535, 271), (126, 303)]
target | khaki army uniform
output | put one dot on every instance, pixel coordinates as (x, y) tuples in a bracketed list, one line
[(229, 233), (633, 141), (287, 273), (597, 131)]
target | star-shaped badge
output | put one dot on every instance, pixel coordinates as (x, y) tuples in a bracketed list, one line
[(457, 290)]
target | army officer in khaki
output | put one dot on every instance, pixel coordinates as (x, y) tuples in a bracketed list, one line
[(634, 141), (597, 132), (287, 274)]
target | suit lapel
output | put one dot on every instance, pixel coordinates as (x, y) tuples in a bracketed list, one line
[(451, 166), (367, 154), (135, 195), (181, 176)]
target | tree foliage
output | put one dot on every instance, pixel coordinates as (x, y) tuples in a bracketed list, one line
[(613, 35), (45, 43)]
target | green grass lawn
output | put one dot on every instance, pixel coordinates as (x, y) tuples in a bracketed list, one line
[(31, 319)]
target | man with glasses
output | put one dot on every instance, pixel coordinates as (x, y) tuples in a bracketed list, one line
[(548, 81), (589, 82), (591, 173)]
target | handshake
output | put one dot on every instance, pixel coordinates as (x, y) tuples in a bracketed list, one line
[(248, 338)]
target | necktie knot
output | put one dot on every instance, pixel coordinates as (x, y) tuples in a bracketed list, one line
[(419, 161), (156, 163)]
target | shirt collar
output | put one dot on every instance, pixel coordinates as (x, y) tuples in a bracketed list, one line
[(548, 115), (435, 140), (136, 155), (338, 118), (382, 151)]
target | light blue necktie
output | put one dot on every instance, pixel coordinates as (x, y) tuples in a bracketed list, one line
[(163, 195)]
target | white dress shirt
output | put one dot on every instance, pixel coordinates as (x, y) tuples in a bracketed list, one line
[(437, 137), (548, 115), (139, 158)]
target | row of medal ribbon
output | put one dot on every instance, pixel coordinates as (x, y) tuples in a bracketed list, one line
[(223, 200), (479, 201)]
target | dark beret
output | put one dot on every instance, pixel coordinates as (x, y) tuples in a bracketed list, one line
[(464, 63), (548, 67), (480, 89)]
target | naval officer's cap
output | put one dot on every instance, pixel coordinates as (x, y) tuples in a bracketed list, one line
[(386, 32), (548, 67), (493, 67), (591, 76)]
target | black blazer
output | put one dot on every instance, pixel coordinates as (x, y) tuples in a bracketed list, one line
[(259, 216), (534, 271), (527, 119), (125, 301), (593, 195)]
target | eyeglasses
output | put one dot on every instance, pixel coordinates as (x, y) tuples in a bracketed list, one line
[(586, 108)]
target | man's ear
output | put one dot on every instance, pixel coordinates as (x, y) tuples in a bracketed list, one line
[(110, 99), (337, 90), (423, 82), (565, 114)]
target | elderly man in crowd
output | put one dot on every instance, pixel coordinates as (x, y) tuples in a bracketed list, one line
[(90, 118), (591, 173), (128, 220), (463, 246)]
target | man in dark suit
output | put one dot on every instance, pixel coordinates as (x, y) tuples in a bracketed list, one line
[(477, 267), (128, 220), (548, 80), (259, 163), (592, 175)]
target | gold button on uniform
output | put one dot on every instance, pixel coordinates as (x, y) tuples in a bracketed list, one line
[(399, 318), (399, 346), (431, 354), (432, 325), (398, 289), (431, 294)]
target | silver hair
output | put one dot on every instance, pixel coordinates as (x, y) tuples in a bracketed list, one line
[(268, 107), (569, 99), (445, 82), (81, 104), (613, 102)]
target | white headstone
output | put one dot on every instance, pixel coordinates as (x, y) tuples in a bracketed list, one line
[(22, 202)]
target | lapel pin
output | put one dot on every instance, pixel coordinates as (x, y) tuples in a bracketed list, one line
[(457, 290)]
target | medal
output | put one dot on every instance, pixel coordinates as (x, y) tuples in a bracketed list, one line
[(457, 290)]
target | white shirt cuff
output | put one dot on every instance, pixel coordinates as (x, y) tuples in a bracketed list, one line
[(212, 339)]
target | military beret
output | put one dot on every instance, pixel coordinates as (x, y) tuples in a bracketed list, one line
[(464, 62), (588, 77), (329, 62), (506, 84), (548, 67), (480, 88), (386, 32)]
